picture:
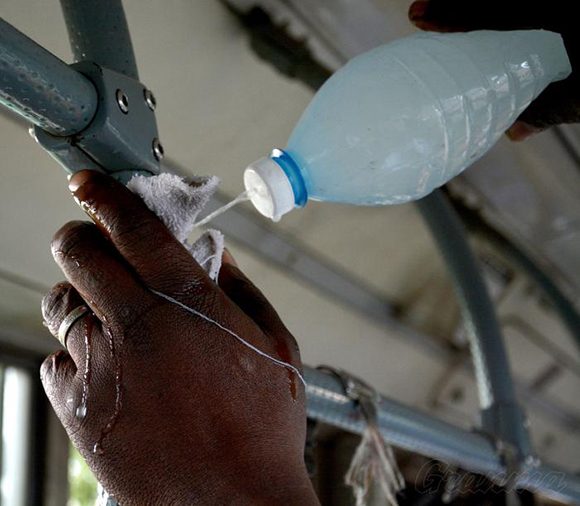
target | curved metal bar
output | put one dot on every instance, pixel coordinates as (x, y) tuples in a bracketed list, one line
[(501, 415), (41, 88), (562, 304), (98, 32)]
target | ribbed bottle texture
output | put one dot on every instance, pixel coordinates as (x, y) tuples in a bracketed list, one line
[(404, 118)]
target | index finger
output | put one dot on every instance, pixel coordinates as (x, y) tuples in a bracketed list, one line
[(159, 259)]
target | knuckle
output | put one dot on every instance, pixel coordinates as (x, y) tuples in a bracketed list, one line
[(135, 319), (128, 232), (70, 237), (210, 301), (193, 288), (53, 301), (182, 278)]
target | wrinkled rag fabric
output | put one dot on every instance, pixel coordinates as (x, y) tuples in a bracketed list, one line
[(178, 203)]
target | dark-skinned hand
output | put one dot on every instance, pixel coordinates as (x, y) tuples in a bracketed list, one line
[(178, 411), (560, 101)]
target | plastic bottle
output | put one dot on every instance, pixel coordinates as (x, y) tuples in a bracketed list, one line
[(404, 118)]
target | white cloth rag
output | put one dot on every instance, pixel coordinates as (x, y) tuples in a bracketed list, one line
[(178, 203)]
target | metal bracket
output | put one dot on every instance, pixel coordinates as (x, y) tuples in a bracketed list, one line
[(63, 150), (508, 424), (515, 463), (121, 139), (366, 397)]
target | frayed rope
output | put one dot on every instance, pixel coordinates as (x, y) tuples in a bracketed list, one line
[(374, 463)]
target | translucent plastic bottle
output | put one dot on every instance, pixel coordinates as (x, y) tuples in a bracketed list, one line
[(400, 120)]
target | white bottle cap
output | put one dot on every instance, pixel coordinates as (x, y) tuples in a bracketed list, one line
[(269, 189)]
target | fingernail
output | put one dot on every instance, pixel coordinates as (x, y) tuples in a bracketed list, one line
[(521, 131), (78, 179), (417, 10), (51, 363)]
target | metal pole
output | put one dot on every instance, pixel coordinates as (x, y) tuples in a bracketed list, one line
[(41, 88), (562, 304), (421, 433), (501, 415), (401, 425), (98, 32)]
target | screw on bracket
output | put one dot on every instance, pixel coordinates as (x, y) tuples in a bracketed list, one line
[(118, 141), (150, 99), (122, 101), (158, 150)]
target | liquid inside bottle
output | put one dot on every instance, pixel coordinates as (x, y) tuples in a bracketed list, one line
[(402, 119)]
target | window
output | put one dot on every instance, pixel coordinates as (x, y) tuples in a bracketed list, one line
[(16, 407)]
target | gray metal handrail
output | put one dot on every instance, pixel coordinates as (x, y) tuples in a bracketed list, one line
[(418, 432), (41, 88), (501, 414), (98, 32)]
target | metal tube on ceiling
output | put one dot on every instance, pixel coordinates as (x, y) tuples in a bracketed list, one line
[(98, 32), (42, 88), (412, 430), (501, 415)]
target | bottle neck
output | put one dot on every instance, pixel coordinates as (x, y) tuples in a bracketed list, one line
[(292, 170)]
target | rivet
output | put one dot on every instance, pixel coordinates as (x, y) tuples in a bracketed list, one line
[(150, 99), (122, 101), (158, 150)]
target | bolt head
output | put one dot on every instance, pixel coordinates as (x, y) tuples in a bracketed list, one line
[(150, 99), (122, 101), (32, 133), (158, 151)]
